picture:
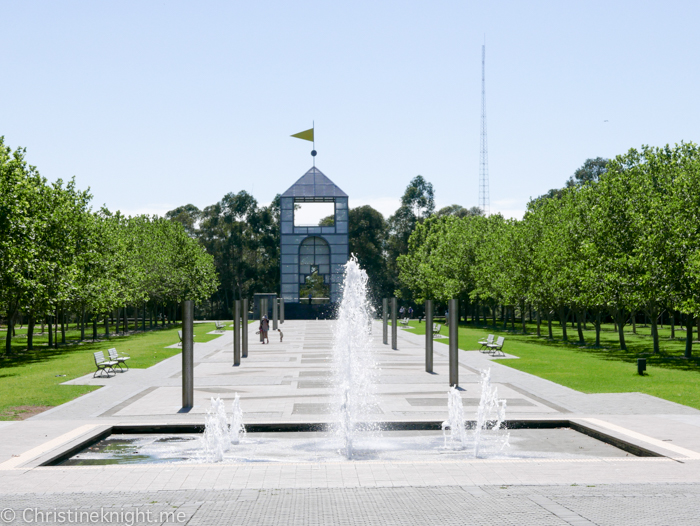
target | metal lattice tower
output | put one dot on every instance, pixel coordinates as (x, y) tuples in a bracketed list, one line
[(484, 199)]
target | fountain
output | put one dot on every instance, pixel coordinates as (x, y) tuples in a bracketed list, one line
[(354, 367), (236, 429), (351, 431), (455, 422), (490, 415), (219, 434)]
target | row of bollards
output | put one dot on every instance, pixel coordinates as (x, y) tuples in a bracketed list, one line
[(452, 323), (240, 339)]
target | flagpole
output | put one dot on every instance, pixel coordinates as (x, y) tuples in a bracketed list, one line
[(313, 127)]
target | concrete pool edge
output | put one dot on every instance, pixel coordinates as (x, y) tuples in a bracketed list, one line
[(62, 452)]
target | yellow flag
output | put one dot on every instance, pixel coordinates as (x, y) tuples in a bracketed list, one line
[(307, 135)]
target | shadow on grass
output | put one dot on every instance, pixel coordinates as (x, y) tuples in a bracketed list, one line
[(638, 346), (41, 353)]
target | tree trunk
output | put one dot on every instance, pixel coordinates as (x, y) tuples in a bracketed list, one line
[(673, 325), (117, 321), (63, 326), (597, 323), (107, 325), (55, 330), (549, 324), (512, 318), (539, 322), (698, 324), (634, 321), (620, 318), (653, 315), (49, 324), (30, 332), (126, 320), (689, 336), (563, 318), (10, 325), (494, 314), (579, 326), (94, 326), (82, 324), (522, 316)]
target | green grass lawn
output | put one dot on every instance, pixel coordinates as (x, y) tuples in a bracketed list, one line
[(596, 370), (30, 381)]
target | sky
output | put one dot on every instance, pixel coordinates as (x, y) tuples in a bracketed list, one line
[(157, 104)]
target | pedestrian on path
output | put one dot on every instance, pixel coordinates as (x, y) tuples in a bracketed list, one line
[(281, 335), (401, 311), (410, 312), (264, 328)]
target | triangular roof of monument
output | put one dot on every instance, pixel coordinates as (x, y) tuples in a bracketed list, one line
[(314, 184)]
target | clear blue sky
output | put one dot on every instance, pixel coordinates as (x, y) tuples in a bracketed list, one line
[(158, 104)]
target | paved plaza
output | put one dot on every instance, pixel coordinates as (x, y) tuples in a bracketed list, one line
[(289, 382)]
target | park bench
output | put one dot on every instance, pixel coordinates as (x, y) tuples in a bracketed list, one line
[(436, 329), (119, 358), (484, 343), (496, 349), (103, 365), (220, 326), (404, 322)]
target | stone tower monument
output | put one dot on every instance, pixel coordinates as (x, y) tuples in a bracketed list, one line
[(313, 249)]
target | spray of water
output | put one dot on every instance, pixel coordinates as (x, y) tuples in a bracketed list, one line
[(491, 412), (218, 434), (354, 366), (215, 440), (457, 438), (236, 429)]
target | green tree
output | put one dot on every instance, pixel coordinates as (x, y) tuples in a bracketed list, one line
[(367, 233), (417, 204)]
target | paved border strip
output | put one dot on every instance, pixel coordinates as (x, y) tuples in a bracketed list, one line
[(535, 397), (48, 446), (644, 438), (115, 409)]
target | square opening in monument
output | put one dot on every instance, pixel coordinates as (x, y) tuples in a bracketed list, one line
[(314, 214)]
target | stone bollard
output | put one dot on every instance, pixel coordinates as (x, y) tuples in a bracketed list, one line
[(237, 333), (394, 326), (385, 321), (429, 336), (244, 329), (187, 355), (453, 314)]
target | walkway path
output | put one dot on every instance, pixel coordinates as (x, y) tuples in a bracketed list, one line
[(290, 382)]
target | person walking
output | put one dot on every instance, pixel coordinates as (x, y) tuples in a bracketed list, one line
[(401, 311), (264, 328), (410, 312)]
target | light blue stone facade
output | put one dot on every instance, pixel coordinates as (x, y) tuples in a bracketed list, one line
[(324, 248)]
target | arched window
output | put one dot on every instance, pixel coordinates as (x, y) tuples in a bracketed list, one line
[(314, 258)]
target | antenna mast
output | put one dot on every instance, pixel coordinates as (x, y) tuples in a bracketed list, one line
[(484, 200)]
